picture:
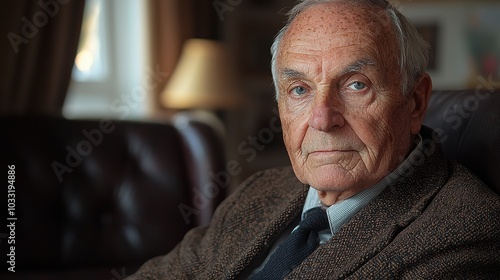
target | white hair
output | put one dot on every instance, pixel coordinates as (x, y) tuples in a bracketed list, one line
[(413, 50)]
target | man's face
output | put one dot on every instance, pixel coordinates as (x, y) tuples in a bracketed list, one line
[(346, 124)]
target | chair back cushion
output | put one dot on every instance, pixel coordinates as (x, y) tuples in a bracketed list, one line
[(468, 125), (95, 193)]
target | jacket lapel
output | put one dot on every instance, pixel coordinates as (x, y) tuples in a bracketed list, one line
[(270, 208)]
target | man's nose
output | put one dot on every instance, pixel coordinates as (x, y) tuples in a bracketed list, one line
[(326, 113)]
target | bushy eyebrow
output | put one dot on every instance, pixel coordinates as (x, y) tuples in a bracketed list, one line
[(288, 73), (357, 66)]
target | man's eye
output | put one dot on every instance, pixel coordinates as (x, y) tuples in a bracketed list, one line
[(299, 90), (357, 86)]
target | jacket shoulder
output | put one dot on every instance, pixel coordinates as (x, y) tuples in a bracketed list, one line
[(459, 232), (464, 189)]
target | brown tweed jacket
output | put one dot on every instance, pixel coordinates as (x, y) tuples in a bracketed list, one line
[(436, 222)]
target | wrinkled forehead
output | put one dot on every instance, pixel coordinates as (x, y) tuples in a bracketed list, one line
[(338, 16), (335, 21), (327, 27)]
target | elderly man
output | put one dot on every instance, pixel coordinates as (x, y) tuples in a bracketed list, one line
[(370, 195)]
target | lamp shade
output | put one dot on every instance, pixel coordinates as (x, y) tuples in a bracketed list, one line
[(203, 78)]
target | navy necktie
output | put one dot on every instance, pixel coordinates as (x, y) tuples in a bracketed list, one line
[(300, 244)]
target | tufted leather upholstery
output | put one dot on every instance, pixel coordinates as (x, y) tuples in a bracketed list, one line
[(468, 124), (115, 202)]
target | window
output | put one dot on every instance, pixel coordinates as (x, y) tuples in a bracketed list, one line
[(111, 61), (91, 59)]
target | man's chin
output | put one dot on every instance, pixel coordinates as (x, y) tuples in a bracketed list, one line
[(330, 179), (331, 188)]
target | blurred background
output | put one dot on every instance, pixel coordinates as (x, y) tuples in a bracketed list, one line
[(95, 104), (138, 60)]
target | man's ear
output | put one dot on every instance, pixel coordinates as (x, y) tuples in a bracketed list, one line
[(420, 96)]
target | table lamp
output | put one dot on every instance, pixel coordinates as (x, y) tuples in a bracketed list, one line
[(203, 78)]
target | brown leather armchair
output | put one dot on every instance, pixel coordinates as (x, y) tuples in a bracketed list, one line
[(95, 199), (468, 126)]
